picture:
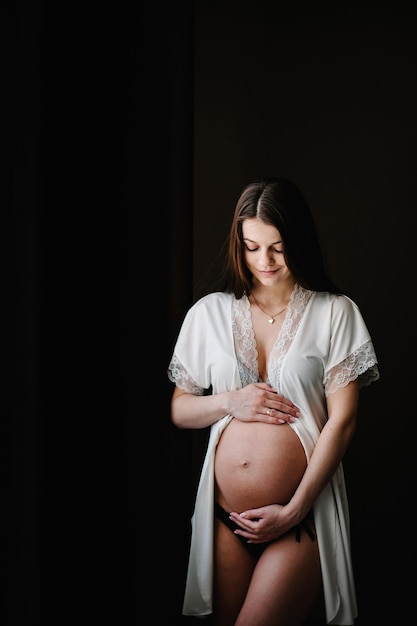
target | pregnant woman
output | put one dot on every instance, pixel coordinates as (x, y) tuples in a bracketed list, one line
[(273, 364)]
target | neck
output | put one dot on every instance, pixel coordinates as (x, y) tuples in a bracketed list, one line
[(270, 297)]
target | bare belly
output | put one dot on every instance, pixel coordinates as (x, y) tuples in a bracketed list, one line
[(257, 464)]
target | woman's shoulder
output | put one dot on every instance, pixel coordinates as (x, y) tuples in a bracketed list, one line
[(338, 304), (334, 299), (209, 304), (214, 298)]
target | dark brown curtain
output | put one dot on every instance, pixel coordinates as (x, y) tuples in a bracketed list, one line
[(98, 206)]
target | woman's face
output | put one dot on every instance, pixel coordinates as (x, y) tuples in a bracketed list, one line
[(264, 254)]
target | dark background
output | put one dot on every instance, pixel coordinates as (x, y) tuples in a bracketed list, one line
[(128, 136)]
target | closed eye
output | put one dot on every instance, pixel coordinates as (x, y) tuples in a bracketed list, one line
[(257, 248)]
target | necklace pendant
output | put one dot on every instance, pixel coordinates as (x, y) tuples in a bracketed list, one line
[(271, 320)]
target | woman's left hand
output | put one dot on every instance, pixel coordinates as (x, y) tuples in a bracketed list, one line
[(263, 524)]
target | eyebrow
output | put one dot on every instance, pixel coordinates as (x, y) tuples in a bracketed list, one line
[(252, 241)]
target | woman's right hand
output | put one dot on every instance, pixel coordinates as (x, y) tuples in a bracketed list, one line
[(259, 402)]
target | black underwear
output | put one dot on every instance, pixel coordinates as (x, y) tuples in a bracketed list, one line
[(257, 548)]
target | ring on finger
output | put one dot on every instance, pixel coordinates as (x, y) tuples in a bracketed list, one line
[(269, 412)]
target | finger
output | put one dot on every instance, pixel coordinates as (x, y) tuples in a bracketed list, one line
[(279, 416), (282, 405), (286, 412), (252, 516), (244, 520)]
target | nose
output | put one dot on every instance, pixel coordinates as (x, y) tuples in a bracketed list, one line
[(267, 257)]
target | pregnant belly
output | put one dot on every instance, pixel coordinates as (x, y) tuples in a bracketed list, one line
[(257, 464)]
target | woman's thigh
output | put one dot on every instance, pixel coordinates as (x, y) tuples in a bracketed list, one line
[(280, 587), (284, 585), (233, 569)]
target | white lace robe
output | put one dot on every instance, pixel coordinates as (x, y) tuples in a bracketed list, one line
[(323, 345)]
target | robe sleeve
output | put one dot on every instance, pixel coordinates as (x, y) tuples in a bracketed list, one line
[(204, 355), (187, 366), (351, 352)]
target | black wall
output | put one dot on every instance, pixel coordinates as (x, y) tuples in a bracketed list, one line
[(327, 97)]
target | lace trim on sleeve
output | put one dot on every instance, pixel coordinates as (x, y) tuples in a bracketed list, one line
[(179, 375), (360, 363)]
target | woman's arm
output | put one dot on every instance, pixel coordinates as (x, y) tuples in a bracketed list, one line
[(271, 521), (256, 402), (330, 449)]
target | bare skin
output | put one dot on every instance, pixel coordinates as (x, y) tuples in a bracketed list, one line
[(283, 585), (257, 463), (279, 588)]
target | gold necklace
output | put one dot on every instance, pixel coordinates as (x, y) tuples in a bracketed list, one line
[(271, 318)]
